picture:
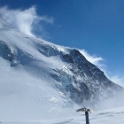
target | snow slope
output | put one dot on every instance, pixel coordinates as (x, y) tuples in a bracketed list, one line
[(26, 89), (42, 82), (108, 116)]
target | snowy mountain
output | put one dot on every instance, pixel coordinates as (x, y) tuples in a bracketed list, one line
[(39, 78)]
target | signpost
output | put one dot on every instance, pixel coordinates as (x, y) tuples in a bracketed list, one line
[(86, 110)]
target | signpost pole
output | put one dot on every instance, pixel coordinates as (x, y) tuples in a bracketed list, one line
[(87, 117)]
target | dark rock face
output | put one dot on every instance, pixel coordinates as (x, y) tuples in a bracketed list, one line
[(47, 50), (87, 82), (14, 57), (5, 51)]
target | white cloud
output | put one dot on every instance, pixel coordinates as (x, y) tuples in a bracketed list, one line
[(24, 20)]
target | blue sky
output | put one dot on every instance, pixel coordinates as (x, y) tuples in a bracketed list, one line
[(97, 26)]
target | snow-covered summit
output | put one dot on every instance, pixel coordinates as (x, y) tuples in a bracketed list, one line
[(37, 77)]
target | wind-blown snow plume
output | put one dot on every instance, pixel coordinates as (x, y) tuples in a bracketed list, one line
[(98, 62), (25, 20), (93, 58), (117, 79)]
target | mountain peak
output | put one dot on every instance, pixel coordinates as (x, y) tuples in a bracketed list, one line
[(36, 71)]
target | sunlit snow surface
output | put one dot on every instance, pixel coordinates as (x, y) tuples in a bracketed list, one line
[(110, 116), (27, 91)]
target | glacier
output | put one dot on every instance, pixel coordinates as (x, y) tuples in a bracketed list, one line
[(42, 82)]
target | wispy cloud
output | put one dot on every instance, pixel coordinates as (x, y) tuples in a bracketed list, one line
[(27, 21)]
